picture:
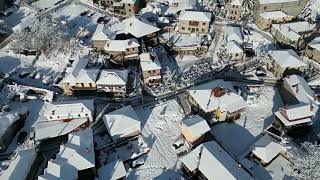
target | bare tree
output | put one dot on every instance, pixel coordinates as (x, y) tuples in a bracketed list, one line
[(44, 36), (306, 165)]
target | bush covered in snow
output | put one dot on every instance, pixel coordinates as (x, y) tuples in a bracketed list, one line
[(306, 166), (44, 36)]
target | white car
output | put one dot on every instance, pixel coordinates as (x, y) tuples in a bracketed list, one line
[(47, 80), (32, 74), (137, 162), (38, 76)]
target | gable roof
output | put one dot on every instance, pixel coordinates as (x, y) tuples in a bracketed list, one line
[(113, 77), (56, 126), (147, 63), (112, 171), (138, 27), (195, 16), (233, 33), (315, 43), (77, 154), (229, 102), (212, 155), (300, 89), (20, 165), (287, 58), (79, 74), (122, 122), (292, 30), (99, 34), (266, 148), (299, 111), (197, 125)]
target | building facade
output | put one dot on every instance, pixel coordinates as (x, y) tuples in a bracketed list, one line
[(194, 22)]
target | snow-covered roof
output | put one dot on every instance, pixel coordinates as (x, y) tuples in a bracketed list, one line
[(6, 120), (233, 33), (99, 34), (136, 26), (121, 45), (20, 165), (287, 58), (299, 111), (147, 62), (315, 43), (59, 170), (275, 1), (65, 117), (273, 15), (267, 148), (296, 114), (112, 171), (195, 16), (233, 47), (196, 125), (292, 30), (214, 163), (237, 2), (76, 155), (122, 122), (68, 109), (113, 77), (79, 74), (300, 88), (229, 102)]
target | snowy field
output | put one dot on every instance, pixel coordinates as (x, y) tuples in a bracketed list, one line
[(161, 126)]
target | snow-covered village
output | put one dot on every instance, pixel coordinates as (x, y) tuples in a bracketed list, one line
[(159, 89)]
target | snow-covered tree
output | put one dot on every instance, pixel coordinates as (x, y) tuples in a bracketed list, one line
[(44, 36), (306, 165)]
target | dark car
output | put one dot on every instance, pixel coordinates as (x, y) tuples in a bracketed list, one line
[(100, 20), (24, 74), (22, 137), (84, 13)]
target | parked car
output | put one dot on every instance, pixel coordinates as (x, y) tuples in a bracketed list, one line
[(38, 76), (84, 13), (137, 162), (100, 20), (32, 74), (90, 15), (24, 74), (47, 80), (22, 137)]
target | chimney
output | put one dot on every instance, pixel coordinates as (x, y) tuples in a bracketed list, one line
[(82, 109), (311, 107), (53, 112), (297, 88), (130, 24)]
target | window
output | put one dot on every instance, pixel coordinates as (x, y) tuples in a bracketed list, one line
[(90, 84), (204, 23), (203, 30), (86, 114), (189, 29), (183, 28), (82, 84), (50, 117), (79, 115), (265, 8)]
